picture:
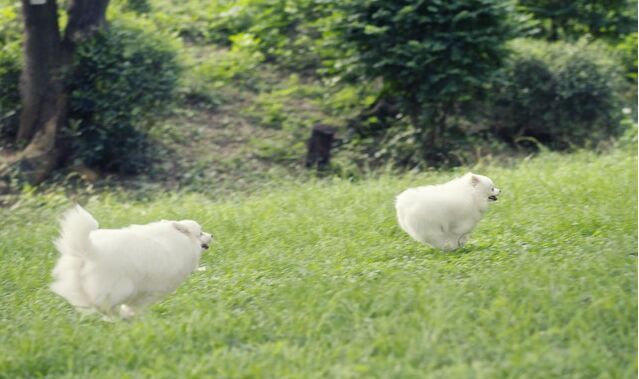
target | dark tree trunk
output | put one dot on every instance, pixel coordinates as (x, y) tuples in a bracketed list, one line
[(40, 90), (85, 17), (319, 146), (554, 33), (44, 96)]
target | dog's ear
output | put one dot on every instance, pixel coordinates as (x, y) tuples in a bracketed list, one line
[(474, 179), (181, 228)]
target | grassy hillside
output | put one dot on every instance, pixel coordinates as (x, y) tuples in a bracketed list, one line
[(315, 280)]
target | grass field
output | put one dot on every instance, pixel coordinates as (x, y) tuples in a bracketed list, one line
[(315, 280)]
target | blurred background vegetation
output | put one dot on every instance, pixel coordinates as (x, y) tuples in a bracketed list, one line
[(219, 93)]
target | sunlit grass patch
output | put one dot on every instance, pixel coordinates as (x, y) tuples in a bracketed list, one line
[(315, 280)]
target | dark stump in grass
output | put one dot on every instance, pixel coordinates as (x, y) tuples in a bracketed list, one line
[(319, 146)]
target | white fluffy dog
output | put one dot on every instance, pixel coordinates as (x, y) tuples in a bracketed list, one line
[(443, 215), (118, 272)]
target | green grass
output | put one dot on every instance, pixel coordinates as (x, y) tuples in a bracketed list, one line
[(315, 280)]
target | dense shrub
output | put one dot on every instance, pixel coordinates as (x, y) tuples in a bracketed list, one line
[(627, 49), (559, 94), (10, 67), (400, 144), (295, 34), (123, 79), (431, 56), (9, 92)]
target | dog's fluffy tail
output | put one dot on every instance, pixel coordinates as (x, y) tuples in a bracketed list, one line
[(75, 227), (75, 247)]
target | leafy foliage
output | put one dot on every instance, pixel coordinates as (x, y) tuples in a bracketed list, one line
[(212, 69), (138, 6), (613, 19), (559, 94), (430, 55), (10, 67), (295, 34), (434, 62), (627, 48), (124, 78)]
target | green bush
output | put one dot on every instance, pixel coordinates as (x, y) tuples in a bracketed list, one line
[(627, 49), (295, 34), (559, 94), (10, 67), (123, 79), (431, 55), (9, 93)]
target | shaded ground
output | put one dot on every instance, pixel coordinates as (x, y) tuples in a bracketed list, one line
[(214, 147)]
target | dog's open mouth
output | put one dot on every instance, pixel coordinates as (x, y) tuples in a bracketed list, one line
[(205, 246), (492, 197)]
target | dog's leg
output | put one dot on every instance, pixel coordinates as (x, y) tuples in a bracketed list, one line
[(111, 314), (462, 240)]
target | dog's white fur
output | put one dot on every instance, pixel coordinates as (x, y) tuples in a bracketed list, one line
[(443, 215), (118, 272)]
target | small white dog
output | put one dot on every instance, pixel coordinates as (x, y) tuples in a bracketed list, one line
[(443, 215), (118, 272)]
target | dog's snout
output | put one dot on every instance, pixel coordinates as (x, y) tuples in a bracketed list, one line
[(206, 240)]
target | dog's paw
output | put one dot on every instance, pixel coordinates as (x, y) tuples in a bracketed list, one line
[(462, 240), (126, 312)]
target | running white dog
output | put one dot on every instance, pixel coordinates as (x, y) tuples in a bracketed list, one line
[(443, 215), (118, 272)]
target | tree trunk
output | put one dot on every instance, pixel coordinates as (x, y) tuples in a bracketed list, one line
[(85, 17), (554, 34), (40, 90), (44, 96)]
